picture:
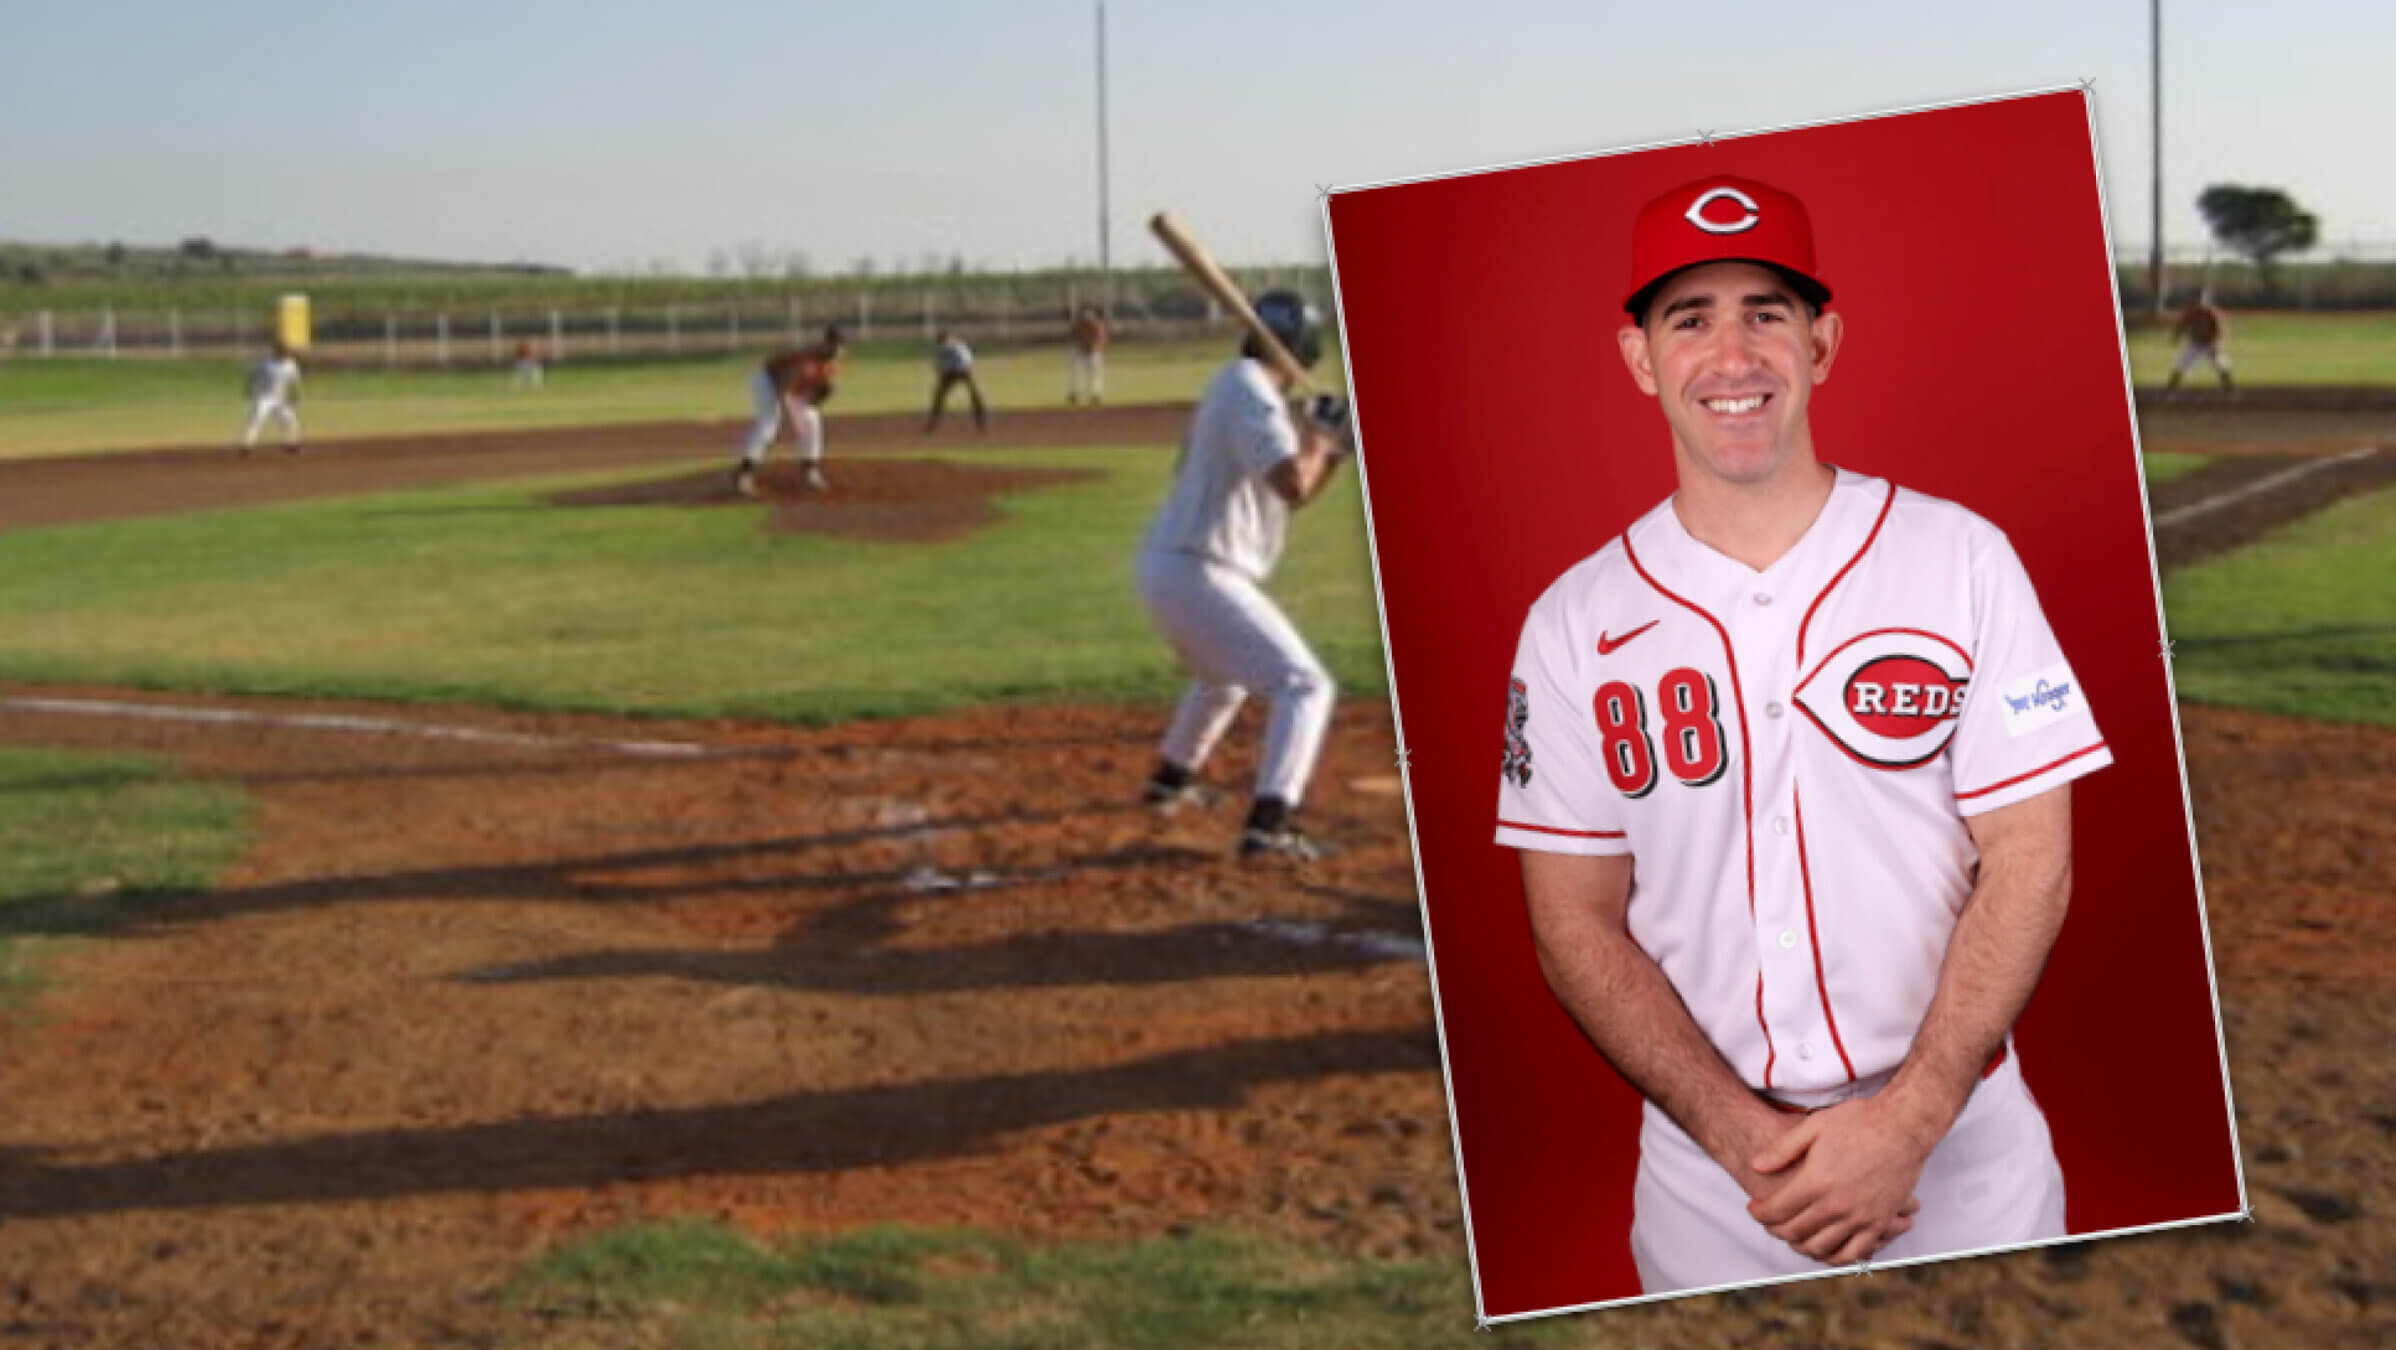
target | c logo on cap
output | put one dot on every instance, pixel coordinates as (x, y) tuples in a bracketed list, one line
[(1696, 212)]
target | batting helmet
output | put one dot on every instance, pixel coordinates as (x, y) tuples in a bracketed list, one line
[(1296, 323)]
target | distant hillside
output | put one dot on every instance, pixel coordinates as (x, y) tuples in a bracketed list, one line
[(31, 267)]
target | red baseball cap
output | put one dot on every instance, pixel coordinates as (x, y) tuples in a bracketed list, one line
[(1722, 218)]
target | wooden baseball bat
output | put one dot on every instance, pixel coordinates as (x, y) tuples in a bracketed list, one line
[(1211, 278)]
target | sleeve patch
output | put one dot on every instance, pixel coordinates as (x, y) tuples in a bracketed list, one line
[(2040, 700), (1518, 745)]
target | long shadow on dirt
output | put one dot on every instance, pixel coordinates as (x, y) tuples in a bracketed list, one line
[(795, 1133), (583, 879)]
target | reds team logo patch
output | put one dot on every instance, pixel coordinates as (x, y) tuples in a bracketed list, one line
[(1518, 746), (1889, 697)]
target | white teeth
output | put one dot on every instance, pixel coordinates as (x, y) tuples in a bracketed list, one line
[(1735, 405)]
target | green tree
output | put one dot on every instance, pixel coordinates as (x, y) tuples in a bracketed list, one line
[(2260, 222)]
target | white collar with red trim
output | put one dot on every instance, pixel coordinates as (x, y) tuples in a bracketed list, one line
[(1665, 546)]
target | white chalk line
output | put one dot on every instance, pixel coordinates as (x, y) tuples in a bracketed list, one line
[(2178, 515), (1387, 945), (928, 879), (341, 722)]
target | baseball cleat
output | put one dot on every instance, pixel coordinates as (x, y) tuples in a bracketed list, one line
[(744, 481), (815, 479), (1167, 798), (1287, 842)]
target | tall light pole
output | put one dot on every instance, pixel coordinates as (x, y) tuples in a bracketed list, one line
[(1106, 274), (2154, 266)]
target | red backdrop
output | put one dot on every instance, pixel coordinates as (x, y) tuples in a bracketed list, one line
[(1503, 441)]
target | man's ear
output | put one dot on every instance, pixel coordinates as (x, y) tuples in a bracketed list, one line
[(1633, 340), (1829, 331)]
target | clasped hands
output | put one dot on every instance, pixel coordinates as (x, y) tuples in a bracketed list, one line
[(1837, 1184)]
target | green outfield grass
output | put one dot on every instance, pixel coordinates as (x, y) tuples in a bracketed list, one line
[(2299, 623), (87, 839), (77, 406), (2283, 348), (2164, 465), (700, 1285), (486, 594)]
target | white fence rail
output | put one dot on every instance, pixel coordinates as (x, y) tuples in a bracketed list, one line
[(484, 335)]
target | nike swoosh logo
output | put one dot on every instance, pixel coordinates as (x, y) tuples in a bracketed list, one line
[(1606, 646)]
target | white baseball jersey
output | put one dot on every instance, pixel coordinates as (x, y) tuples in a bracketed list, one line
[(1791, 756), (271, 379), (1221, 507), (953, 357)]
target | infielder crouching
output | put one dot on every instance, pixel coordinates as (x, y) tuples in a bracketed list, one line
[(1245, 465), (2201, 329), (1787, 764)]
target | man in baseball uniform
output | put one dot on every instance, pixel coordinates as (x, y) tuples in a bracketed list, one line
[(952, 365), (528, 366), (792, 385), (2200, 330), (274, 390), (1245, 465), (1786, 763), (1085, 381)]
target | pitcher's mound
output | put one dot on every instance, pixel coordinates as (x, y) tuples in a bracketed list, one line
[(910, 499)]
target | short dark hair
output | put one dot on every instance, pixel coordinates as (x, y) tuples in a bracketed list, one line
[(1804, 287)]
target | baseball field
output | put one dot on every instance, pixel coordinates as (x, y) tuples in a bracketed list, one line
[(480, 882)]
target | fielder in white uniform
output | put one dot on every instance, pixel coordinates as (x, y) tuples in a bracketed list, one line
[(1245, 464), (1787, 764), (273, 388)]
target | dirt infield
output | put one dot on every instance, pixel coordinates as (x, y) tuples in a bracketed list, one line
[(878, 498), (166, 482), (467, 998), (464, 1000), (2237, 499)]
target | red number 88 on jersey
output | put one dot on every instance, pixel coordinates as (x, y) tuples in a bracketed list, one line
[(1692, 733)]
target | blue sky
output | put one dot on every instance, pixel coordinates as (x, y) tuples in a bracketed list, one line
[(607, 135)]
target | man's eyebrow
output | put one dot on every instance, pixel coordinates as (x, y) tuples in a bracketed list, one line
[(1700, 300), (1780, 298)]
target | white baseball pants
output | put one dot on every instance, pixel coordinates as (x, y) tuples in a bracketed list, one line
[(263, 408), (1087, 381), (807, 424), (1234, 641), (1992, 1182), (2191, 353)]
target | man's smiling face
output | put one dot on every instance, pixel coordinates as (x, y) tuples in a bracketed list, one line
[(1732, 353)]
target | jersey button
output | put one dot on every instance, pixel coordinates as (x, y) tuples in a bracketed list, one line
[(1805, 1050), (1780, 825), (1772, 710), (1762, 599), (1788, 937)]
